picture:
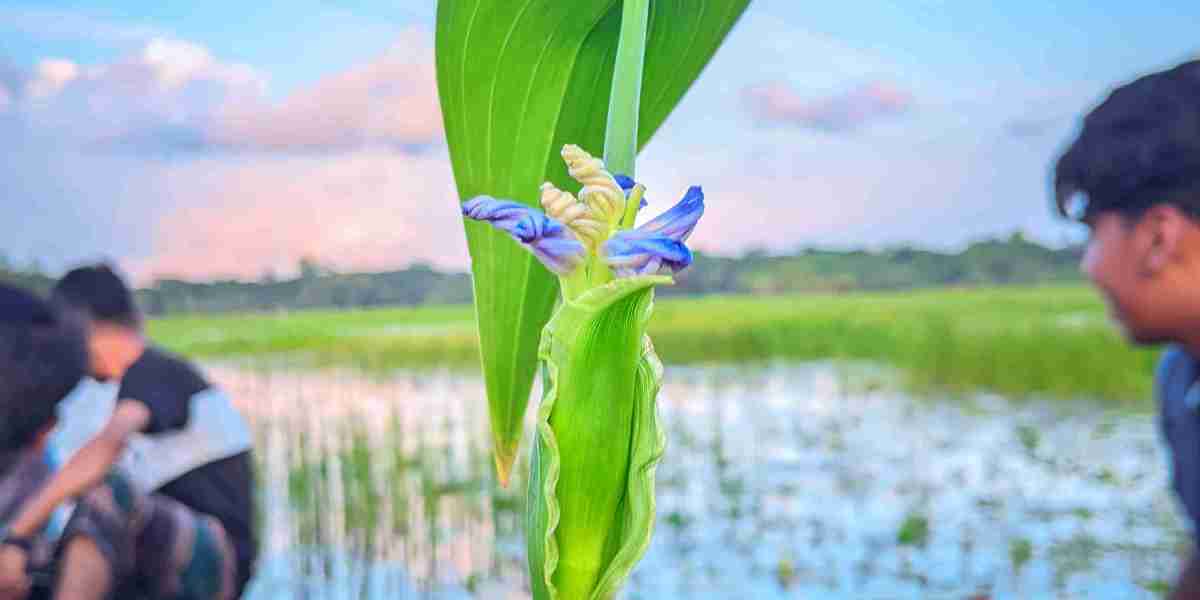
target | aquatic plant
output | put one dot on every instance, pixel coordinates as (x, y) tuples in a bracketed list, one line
[(570, 286)]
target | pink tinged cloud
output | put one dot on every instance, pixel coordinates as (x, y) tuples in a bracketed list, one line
[(175, 93), (362, 211), (778, 102), (358, 204), (390, 102), (365, 207), (50, 77)]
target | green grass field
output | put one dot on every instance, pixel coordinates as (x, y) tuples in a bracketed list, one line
[(1053, 341)]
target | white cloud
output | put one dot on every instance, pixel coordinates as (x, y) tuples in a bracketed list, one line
[(50, 77), (936, 177), (176, 95), (778, 103), (87, 182), (159, 98)]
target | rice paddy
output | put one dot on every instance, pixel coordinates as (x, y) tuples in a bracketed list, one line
[(954, 443), (1051, 342)]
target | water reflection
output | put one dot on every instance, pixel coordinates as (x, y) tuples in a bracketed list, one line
[(781, 482)]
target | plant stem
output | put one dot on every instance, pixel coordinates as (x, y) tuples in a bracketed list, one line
[(621, 130), (621, 133)]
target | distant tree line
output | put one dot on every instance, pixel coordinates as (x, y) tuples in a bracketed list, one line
[(1014, 260), (30, 277)]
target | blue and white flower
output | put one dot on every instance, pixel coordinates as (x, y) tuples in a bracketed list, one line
[(550, 241), (657, 245), (589, 229)]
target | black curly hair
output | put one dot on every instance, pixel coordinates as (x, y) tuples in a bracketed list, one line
[(43, 356), (1138, 148), (98, 293)]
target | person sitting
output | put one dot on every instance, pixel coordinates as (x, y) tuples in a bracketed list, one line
[(176, 437), (87, 550)]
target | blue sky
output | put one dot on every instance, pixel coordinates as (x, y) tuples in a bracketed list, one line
[(852, 124)]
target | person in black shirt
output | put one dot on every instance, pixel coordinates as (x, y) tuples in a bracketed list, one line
[(174, 434), (1132, 176)]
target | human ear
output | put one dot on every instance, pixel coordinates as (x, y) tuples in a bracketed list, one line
[(1163, 229)]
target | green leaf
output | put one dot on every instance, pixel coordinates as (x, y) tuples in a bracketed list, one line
[(517, 80), (590, 510)]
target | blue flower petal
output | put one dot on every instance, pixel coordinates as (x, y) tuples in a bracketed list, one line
[(679, 222), (635, 252), (549, 240), (627, 184)]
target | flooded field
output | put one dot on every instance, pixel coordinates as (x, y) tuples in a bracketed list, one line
[(792, 481)]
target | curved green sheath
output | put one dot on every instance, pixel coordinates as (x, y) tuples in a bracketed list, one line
[(598, 441)]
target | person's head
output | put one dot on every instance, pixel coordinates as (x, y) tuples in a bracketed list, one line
[(42, 358), (113, 323), (1132, 175)]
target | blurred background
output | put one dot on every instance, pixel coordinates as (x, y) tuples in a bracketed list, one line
[(885, 378)]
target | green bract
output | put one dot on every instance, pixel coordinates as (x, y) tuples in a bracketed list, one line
[(598, 441)]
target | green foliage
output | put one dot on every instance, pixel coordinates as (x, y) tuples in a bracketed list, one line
[(1004, 262), (914, 531), (1050, 341), (1019, 552), (1077, 554), (598, 443), (518, 81), (366, 496), (314, 288), (1159, 587), (1011, 261), (30, 278), (1029, 436)]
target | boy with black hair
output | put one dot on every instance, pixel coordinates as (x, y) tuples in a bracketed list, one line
[(175, 436), (42, 357), (1133, 177)]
